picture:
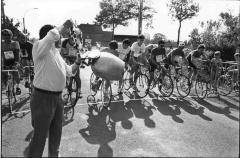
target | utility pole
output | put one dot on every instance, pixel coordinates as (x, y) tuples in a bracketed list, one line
[(3, 14), (140, 17)]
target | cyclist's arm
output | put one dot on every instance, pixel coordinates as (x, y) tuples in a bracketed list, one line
[(152, 58)]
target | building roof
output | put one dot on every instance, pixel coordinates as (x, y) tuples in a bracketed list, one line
[(90, 28)]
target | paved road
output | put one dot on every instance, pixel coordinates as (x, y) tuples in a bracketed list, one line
[(153, 126)]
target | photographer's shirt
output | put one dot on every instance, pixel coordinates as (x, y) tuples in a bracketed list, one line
[(49, 67)]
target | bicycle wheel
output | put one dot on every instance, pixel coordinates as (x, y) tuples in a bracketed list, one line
[(70, 93), (142, 85), (224, 85), (106, 94), (126, 80), (165, 86), (201, 88), (183, 85), (93, 89)]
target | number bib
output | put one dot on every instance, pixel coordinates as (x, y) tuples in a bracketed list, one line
[(8, 55), (159, 58), (72, 52)]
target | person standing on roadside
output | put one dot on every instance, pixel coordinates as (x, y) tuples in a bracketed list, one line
[(50, 79)]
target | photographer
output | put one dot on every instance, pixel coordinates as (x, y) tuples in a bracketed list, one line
[(50, 79)]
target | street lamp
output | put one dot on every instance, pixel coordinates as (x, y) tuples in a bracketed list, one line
[(24, 28)]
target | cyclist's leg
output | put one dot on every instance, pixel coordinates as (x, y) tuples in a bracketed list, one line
[(151, 73), (16, 77), (120, 84)]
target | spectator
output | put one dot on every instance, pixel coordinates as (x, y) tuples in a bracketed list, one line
[(49, 81)]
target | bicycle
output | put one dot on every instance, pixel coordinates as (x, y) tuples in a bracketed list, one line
[(226, 84), (183, 84), (204, 82), (97, 89), (29, 75), (163, 81), (140, 84), (10, 90)]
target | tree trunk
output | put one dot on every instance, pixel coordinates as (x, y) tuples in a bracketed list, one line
[(179, 29), (113, 32)]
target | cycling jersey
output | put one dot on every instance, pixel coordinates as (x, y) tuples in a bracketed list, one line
[(10, 53), (137, 49), (158, 54)]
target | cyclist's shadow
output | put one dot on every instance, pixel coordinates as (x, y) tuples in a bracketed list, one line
[(142, 109), (120, 112), (99, 132), (166, 107)]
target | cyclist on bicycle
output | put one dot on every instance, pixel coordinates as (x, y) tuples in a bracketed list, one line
[(10, 56), (156, 56), (175, 57), (124, 54), (69, 51), (194, 60), (137, 49), (113, 46)]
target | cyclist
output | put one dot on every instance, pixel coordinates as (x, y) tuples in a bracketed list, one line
[(175, 57), (69, 52), (113, 46), (10, 56), (124, 54), (194, 60), (137, 49), (156, 56)]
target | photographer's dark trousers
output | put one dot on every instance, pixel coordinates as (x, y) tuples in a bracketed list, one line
[(47, 116)]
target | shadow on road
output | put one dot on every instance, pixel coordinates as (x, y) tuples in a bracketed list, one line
[(19, 111), (120, 112), (166, 107), (225, 111), (142, 109), (100, 132)]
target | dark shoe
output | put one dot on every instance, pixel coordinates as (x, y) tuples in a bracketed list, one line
[(18, 91)]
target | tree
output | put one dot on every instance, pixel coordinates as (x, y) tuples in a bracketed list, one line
[(119, 12), (157, 37), (195, 38), (182, 10)]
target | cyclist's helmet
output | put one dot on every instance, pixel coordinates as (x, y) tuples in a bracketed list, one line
[(7, 32), (181, 44)]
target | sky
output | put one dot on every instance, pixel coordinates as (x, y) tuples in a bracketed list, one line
[(55, 12)]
